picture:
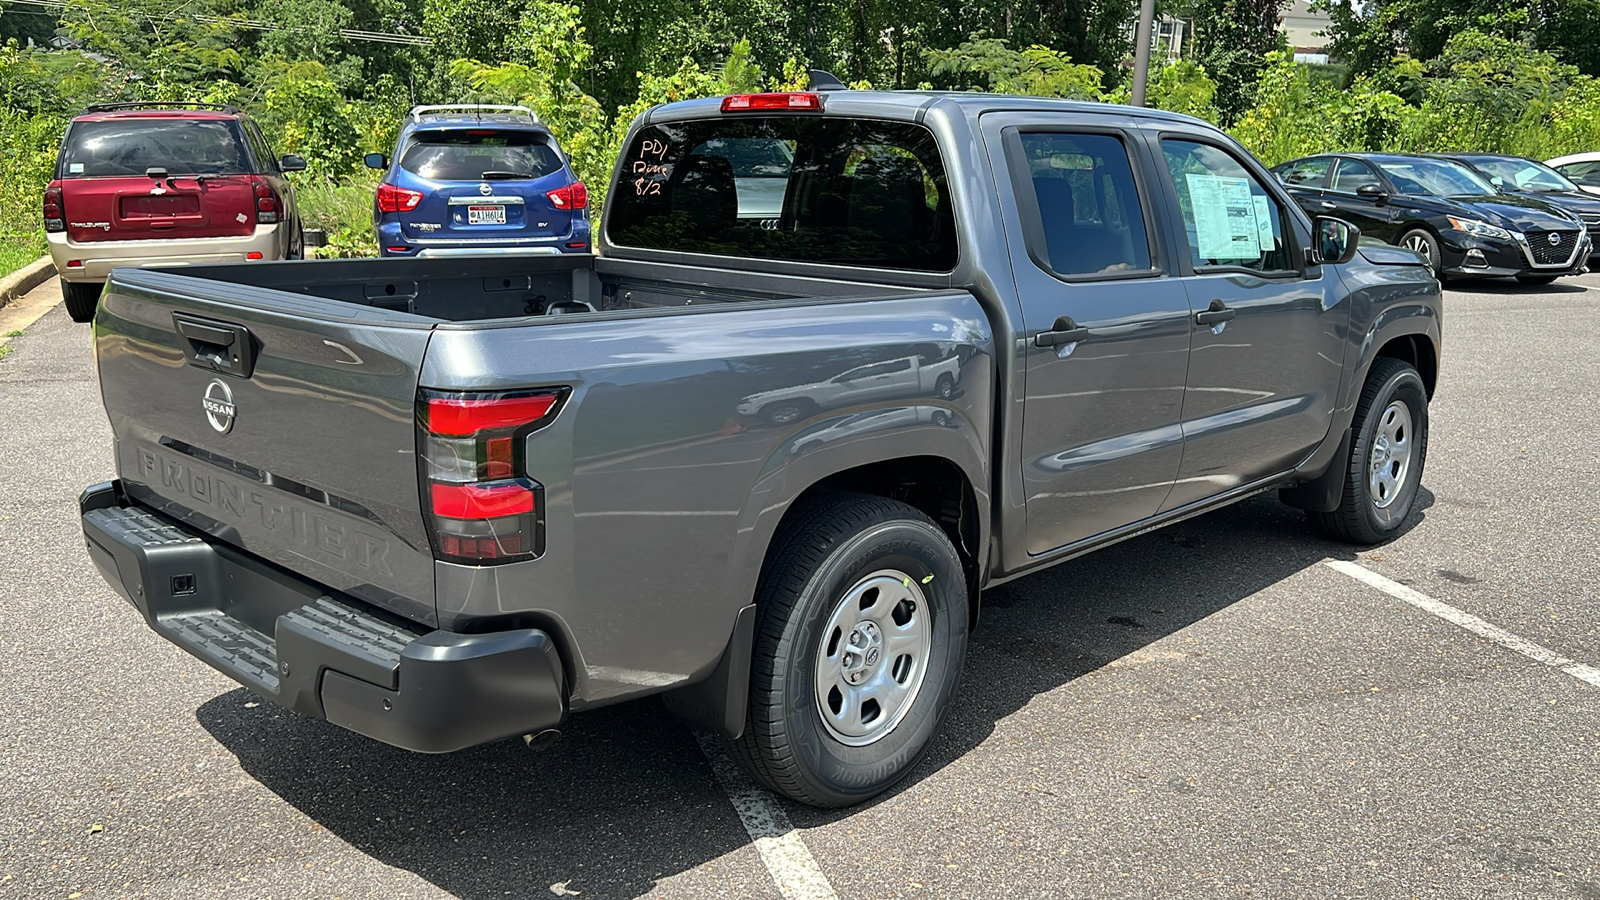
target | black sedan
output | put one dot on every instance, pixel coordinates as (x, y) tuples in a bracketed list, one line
[(1443, 211), (1515, 175)]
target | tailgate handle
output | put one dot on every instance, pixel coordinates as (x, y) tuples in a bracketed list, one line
[(217, 346)]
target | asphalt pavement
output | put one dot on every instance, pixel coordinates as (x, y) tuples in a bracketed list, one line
[(1206, 711)]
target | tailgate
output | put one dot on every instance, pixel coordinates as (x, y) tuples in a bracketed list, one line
[(282, 424), (122, 209)]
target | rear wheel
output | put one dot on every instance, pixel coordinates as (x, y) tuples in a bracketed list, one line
[(1537, 279), (81, 299), (787, 412), (859, 647), (1384, 469)]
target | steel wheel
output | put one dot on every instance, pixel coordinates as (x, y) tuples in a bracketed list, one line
[(873, 657), (1390, 460)]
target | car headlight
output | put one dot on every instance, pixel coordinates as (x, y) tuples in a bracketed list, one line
[(1479, 229)]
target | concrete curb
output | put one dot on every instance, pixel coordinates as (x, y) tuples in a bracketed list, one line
[(25, 279)]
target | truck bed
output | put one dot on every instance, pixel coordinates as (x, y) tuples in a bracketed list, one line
[(482, 288)]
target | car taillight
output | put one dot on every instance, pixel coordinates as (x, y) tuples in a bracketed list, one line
[(787, 100), (54, 218), (394, 199), (573, 196), (267, 205), (482, 508)]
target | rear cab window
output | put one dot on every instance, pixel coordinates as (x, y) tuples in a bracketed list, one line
[(1086, 220), (855, 192), (480, 154), (122, 147)]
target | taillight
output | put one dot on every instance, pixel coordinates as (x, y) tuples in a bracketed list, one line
[(54, 218), (788, 100), (573, 196), (394, 199), (267, 206), (482, 508)]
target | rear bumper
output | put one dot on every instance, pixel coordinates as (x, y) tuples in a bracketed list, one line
[(393, 242), (290, 641), (98, 258)]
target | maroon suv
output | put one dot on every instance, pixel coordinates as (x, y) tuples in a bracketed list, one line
[(171, 184)]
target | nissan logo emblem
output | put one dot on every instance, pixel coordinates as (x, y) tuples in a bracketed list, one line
[(218, 404), (1553, 238), (485, 189)]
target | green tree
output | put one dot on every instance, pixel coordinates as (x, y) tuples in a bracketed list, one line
[(988, 65), (1231, 41)]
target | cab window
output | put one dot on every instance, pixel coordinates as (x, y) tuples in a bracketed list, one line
[(1084, 203), (1229, 219)]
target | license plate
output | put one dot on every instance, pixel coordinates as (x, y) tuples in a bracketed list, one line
[(486, 215)]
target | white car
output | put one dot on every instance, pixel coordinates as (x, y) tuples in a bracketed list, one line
[(908, 376), (1581, 168)]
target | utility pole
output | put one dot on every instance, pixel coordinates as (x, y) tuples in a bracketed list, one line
[(1141, 49)]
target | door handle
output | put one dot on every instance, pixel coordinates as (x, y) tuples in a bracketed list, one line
[(1065, 331), (1216, 314), (1327, 205)]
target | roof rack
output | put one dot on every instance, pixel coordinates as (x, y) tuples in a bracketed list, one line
[(417, 112), (228, 108)]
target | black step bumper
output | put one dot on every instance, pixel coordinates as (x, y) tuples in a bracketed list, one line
[(296, 644)]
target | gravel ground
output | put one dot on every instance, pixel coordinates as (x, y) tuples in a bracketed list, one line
[(1206, 711)]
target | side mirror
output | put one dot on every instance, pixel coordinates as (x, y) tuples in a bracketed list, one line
[(1334, 241), (1372, 192), (376, 161), (292, 163)]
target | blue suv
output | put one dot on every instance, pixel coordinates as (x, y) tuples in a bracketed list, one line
[(471, 179)]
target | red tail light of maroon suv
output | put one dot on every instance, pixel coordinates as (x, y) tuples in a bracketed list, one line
[(165, 184)]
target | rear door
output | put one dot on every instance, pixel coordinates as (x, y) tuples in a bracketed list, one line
[(1374, 215), (279, 424), (156, 176), (484, 183), (1267, 351), (1107, 326), (1305, 180)]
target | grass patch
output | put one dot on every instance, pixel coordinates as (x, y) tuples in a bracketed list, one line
[(15, 333), (16, 252), (343, 210), (6, 350)]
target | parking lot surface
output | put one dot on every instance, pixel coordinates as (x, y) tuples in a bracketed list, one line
[(1210, 710)]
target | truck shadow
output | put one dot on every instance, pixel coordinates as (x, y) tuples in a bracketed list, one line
[(626, 798)]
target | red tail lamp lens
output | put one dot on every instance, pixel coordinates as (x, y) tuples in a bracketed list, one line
[(573, 196), (480, 509), (469, 415), (482, 501), (393, 199)]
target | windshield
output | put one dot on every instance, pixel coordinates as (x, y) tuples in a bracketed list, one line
[(134, 146), (1524, 175), (479, 154), (843, 191), (1435, 178)]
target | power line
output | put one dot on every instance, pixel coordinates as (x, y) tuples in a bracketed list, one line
[(349, 34)]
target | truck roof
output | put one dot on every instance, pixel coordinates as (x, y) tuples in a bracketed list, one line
[(911, 104)]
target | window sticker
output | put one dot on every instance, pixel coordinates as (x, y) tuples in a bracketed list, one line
[(1224, 217), (74, 168), (1264, 218)]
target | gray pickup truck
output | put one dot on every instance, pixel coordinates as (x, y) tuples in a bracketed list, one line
[(445, 502)]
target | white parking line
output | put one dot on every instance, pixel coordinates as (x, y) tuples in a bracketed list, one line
[(788, 860), (1586, 674)]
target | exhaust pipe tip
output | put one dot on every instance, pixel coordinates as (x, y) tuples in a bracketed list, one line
[(541, 740)]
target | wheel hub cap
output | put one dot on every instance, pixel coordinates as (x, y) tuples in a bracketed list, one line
[(1390, 460), (872, 657)]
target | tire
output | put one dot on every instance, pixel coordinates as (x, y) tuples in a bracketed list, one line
[(1422, 241), (847, 575), (1393, 408), (81, 299), (786, 412), (1537, 279), (946, 387)]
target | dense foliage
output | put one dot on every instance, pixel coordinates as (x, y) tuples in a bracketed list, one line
[(1514, 76)]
